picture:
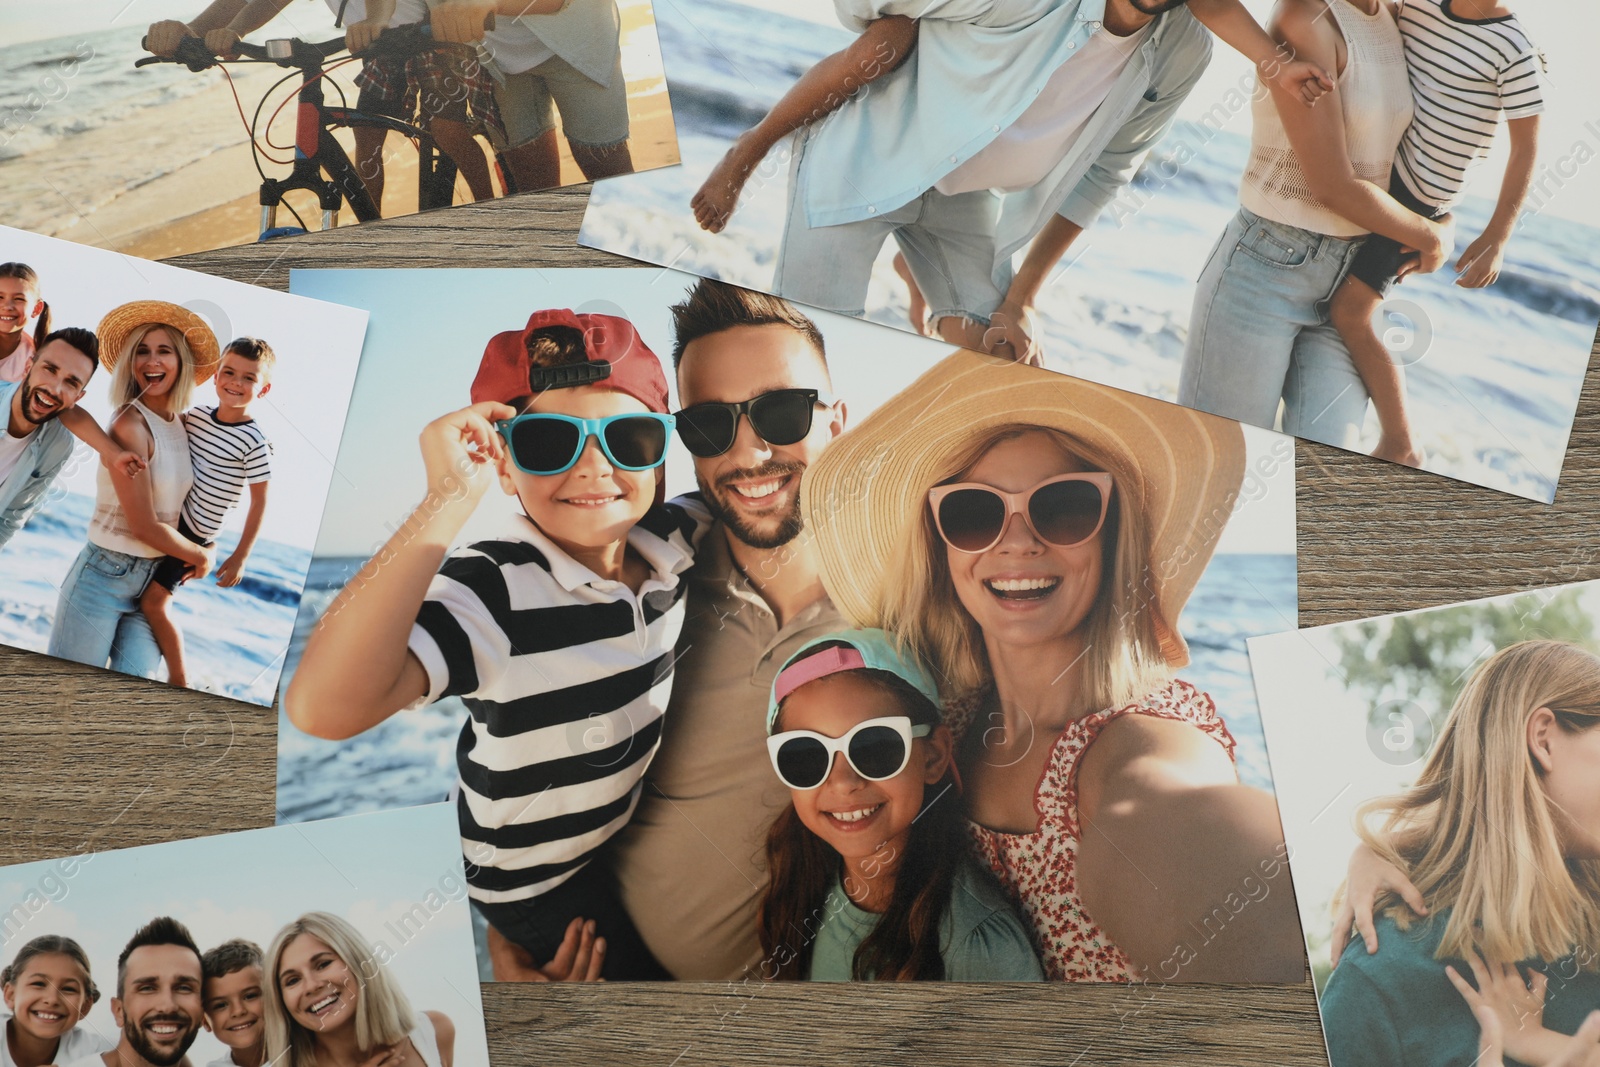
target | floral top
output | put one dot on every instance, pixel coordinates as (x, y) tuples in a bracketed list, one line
[(1038, 870)]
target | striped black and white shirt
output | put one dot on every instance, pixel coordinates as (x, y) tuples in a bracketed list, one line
[(227, 456), (1465, 74), (566, 676)]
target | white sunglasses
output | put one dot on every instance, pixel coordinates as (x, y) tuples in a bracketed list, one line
[(877, 749)]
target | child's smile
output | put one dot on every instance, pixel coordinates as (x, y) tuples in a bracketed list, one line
[(49, 997)]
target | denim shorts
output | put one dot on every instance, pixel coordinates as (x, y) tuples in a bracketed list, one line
[(98, 620), (592, 115), (1259, 333), (948, 241)]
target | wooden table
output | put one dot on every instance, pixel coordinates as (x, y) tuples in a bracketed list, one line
[(90, 760)]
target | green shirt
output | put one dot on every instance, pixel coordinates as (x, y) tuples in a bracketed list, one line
[(1397, 1008), (983, 939)]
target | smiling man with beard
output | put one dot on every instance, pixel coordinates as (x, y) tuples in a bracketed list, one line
[(35, 445), (158, 998)]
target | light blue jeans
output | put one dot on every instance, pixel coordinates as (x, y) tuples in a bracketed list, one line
[(97, 613), (1259, 332), (948, 242)]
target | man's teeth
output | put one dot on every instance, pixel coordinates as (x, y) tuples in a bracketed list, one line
[(759, 490), (163, 1028), (1022, 585), (856, 815)]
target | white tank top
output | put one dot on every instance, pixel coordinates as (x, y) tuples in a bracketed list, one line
[(1376, 94), (171, 473), (426, 1041)]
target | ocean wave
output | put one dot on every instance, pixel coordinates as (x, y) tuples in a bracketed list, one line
[(1561, 297)]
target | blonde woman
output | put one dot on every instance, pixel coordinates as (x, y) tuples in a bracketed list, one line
[(157, 353), (331, 1003), (1500, 840), (1034, 538)]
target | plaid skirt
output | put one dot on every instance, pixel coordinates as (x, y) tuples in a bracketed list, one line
[(448, 81)]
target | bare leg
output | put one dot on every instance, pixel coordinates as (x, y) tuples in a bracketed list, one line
[(1353, 307), (456, 139), (369, 161), (919, 304), (536, 164), (607, 162), (169, 639)]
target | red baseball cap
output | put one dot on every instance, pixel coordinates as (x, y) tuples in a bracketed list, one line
[(634, 369)]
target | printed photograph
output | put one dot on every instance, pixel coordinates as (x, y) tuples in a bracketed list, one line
[(1272, 210), (289, 946), (1439, 778), (175, 126), (755, 643), (169, 444)]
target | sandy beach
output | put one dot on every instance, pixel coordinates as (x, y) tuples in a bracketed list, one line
[(177, 177)]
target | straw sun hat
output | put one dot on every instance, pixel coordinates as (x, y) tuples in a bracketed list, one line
[(120, 322), (862, 500)]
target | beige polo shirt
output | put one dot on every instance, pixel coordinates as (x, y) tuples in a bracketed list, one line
[(691, 862)]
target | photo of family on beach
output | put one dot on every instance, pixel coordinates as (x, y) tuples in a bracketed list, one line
[(177, 126), (628, 564), (246, 949), (1439, 777), (1206, 201), (167, 453)]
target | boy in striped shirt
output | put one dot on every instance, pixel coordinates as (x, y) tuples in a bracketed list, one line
[(1471, 65), (557, 635), (228, 452)]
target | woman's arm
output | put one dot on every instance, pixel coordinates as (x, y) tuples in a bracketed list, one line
[(128, 431), (358, 668), (445, 1031), (1317, 137), (1182, 867)]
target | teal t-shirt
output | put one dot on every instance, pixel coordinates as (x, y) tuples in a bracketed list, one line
[(983, 939), (1397, 1008)]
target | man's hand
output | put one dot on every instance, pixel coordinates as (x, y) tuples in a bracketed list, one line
[(1367, 875), (1302, 79), (1480, 264), (579, 959), (223, 42), (128, 463), (359, 36), (461, 21), (231, 571), (162, 37), (1009, 334)]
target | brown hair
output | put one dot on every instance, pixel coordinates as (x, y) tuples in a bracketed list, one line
[(714, 306), (257, 351), (30, 278), (802, 868), (45, 945), (231, 956)]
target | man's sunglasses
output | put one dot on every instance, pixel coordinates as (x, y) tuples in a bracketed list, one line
[(1064, 511), (780, 417), (877, 749), (547, 443)]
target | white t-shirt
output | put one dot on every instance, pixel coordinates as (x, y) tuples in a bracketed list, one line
[(1027, 150), (516, 49), (11, 449), (79, 1043), (404, 11)]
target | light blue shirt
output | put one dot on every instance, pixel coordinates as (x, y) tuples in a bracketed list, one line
[(977, 66), (46, 453)]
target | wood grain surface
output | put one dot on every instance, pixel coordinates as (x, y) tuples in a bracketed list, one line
[(90, 760)]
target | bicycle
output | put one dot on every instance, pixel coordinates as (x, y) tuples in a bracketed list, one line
[(316, 151)]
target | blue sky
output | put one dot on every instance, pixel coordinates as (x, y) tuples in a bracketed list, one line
[(427, 333), (371, 869)]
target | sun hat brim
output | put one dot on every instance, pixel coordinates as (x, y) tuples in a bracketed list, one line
[(120, 322), (862, 498)]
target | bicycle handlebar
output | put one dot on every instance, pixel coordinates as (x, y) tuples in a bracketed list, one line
[(400, 41)]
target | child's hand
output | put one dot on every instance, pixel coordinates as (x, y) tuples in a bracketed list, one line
[(128, 463), (223, 42), (459, 450), (579, 959), (1480, 264), (1517, 1004), (358, 36), (1301, 78), (461, 21), (1369, 874), (231, 571), (162, 37), (1576, 1051)]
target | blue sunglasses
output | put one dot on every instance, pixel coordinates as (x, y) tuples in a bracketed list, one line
[(547, 443)]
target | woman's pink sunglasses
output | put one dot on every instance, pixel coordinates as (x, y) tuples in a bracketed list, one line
[(1064, 510)]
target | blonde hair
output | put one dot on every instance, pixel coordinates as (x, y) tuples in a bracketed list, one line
[(383, 1014), (124, 390), (923, 612), (1477, 833)]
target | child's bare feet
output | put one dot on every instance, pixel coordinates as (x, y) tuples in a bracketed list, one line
[(1400, 448), (919, 306), (718, 195)]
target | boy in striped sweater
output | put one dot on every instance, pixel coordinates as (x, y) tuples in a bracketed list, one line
[(1471, 66), (228, 452), (557, 635)]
